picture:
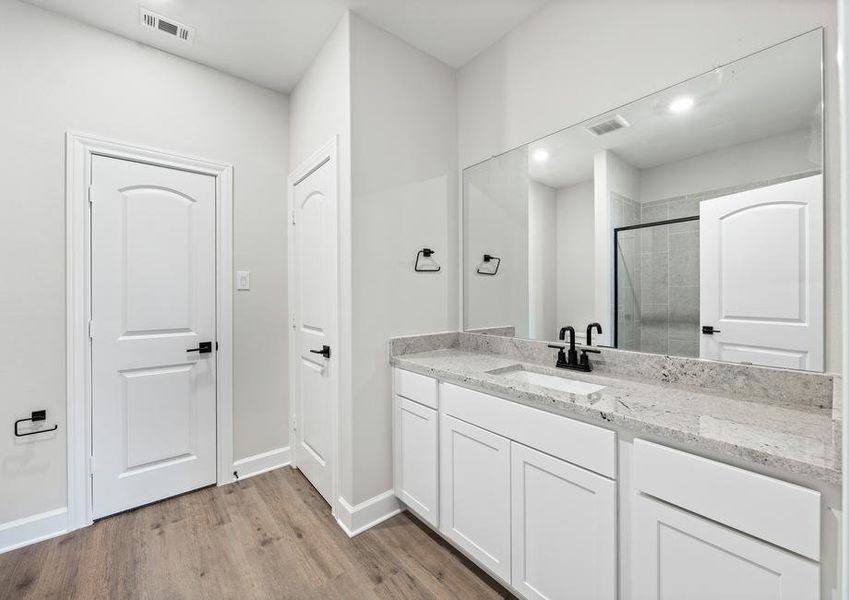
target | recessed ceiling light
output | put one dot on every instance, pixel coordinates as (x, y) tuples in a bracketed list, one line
[(541, 155), (681, 104)]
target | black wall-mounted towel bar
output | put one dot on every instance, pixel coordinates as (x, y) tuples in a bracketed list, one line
[(37, 416)]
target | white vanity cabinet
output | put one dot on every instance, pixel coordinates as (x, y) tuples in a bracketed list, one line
[(475, 492), (564, 529), (416, 441), (677, 554), (416, 463), (702, 530), (533, 497), (516, 487)]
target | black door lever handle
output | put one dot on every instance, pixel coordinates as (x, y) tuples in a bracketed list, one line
[(203, 348), (325, 351)]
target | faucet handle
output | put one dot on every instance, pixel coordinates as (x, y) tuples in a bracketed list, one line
[(585, 360), (561, 355)]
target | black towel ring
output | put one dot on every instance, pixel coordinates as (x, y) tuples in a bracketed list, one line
[(427, 253), (488, 258)]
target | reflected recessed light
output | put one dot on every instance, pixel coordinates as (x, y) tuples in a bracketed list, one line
[(681, 104), (541, 155)]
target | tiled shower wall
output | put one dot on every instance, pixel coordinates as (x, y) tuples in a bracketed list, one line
[(659, 271), (670, 287)]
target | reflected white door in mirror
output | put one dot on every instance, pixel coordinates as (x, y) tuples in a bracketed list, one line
[(762, 276)]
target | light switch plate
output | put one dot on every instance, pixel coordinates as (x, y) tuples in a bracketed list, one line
[(243, 280)]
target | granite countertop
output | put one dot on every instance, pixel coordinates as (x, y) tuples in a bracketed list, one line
[(802, 440)]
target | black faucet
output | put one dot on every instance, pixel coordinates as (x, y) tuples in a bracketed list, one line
[(573, 354), (590, 327), (571, 361)]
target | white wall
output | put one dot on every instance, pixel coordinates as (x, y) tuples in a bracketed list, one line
[(573, 60), (760, 160), (320, 110), (404, 141), (393, 109), (542, 261), (575, 256), (62, 75)]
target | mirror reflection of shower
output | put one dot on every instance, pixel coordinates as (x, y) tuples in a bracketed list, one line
[(656, 277)]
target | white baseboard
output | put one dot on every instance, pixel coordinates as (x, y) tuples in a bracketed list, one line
[(263, 462), (356, 519), (29, 530)]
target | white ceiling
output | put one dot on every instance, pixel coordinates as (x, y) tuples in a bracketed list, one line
[(271, 42), (770, 93)]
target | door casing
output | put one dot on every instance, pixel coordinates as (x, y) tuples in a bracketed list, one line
[(80, 148), (328, 153)]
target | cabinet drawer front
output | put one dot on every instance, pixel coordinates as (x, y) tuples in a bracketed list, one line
[(416, 387), (676, 554), (475, 493), (417, 458), (564, 529), (585, 445), (782, 513)]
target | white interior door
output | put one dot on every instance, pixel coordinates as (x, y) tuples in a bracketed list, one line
[(762, 275), (314, 281), (152, 301)]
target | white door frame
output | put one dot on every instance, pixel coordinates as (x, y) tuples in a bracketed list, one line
[(80, 149), (328, 153)]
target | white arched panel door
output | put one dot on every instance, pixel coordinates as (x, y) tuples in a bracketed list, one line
[(762, 276), (153, 333), (314, 297)]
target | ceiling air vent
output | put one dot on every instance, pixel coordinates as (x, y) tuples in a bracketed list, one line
[(604, 127), (151, 20)]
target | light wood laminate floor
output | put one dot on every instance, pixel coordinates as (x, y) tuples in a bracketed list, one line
[(270, 536)]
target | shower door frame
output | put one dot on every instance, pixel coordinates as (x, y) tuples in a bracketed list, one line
[(616, 264)]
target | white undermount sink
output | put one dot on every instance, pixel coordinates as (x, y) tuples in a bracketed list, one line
[(553, 382)]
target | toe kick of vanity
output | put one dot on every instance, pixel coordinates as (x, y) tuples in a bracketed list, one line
[(539, 501)]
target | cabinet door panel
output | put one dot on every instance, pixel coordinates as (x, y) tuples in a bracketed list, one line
[(417, 455), (475, 493), (676, 554), (564, 529)]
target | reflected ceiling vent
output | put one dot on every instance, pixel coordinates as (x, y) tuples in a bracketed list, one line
[(604, 127), (175, 29)]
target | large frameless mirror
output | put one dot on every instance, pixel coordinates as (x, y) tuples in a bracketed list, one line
[(688, 223)]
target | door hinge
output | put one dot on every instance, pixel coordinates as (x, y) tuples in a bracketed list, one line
[(90, 195), (294, 323), (91, 465), (90, 330), (293, 423), (293, 217)]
